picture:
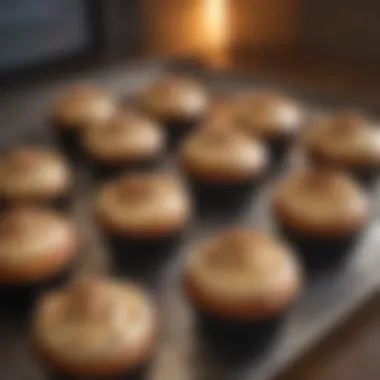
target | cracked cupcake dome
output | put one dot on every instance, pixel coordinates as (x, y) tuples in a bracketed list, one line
[(95, 328), (33, 175), (321, 204), (143, 205), (346, 140), (242, 275), (268, 115), (123, 140), (223, 155), (35, 245)]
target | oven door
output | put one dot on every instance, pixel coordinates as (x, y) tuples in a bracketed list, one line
[(38, 31)]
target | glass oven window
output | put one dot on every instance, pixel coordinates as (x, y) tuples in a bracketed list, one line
[(36, 30)]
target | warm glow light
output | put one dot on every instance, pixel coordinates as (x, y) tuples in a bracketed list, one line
[(216, 23)]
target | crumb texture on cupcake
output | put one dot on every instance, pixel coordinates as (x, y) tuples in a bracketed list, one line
[(344, 139), (95, 326), (242, 274), (124, 137), (143, 204), (268, 114), (30, 173), (175, 98), (223, 154), (81, 106), (321, 203), (34, 244)]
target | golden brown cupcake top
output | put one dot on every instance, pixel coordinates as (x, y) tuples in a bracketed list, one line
[(346, 138), (175, 98), (125, 136), (143, 201), (223, 153), (242, 264), (94, 318), (31, 172), (323, 201), (268, 114), (82, 106), (28, 234)]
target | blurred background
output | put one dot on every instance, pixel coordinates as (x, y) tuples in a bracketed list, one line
[(324, 43)]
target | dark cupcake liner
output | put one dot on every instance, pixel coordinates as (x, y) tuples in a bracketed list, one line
[(177, 130), (234, 338), (227, 328), (104, 171), (62, 203), (18, 300), (367, 176), (135, 374), (141, 258), (320, 254), (221, 199), (69, 142), (279, 147)]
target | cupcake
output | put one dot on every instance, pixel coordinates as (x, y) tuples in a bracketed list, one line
[(95, 329), (242, 276), (82, 106), (33, 175), (124, 141), (222, 164), (178, 103), (347, 140), (37, 247), (142, 210), (269, 116), (320, 210)]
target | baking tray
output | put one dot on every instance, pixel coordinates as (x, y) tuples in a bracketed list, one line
[(184, 352)]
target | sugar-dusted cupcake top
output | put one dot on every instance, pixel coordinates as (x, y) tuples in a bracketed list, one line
[(31, 173), (125, 136), (344, 139), (175, 98), (223, 154), (243, 265), (81, 106), (94, 319), (268, 114), (321, 202), (31, 239), (143, 204)]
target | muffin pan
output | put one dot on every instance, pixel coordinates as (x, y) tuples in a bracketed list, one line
[(186, 351)]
